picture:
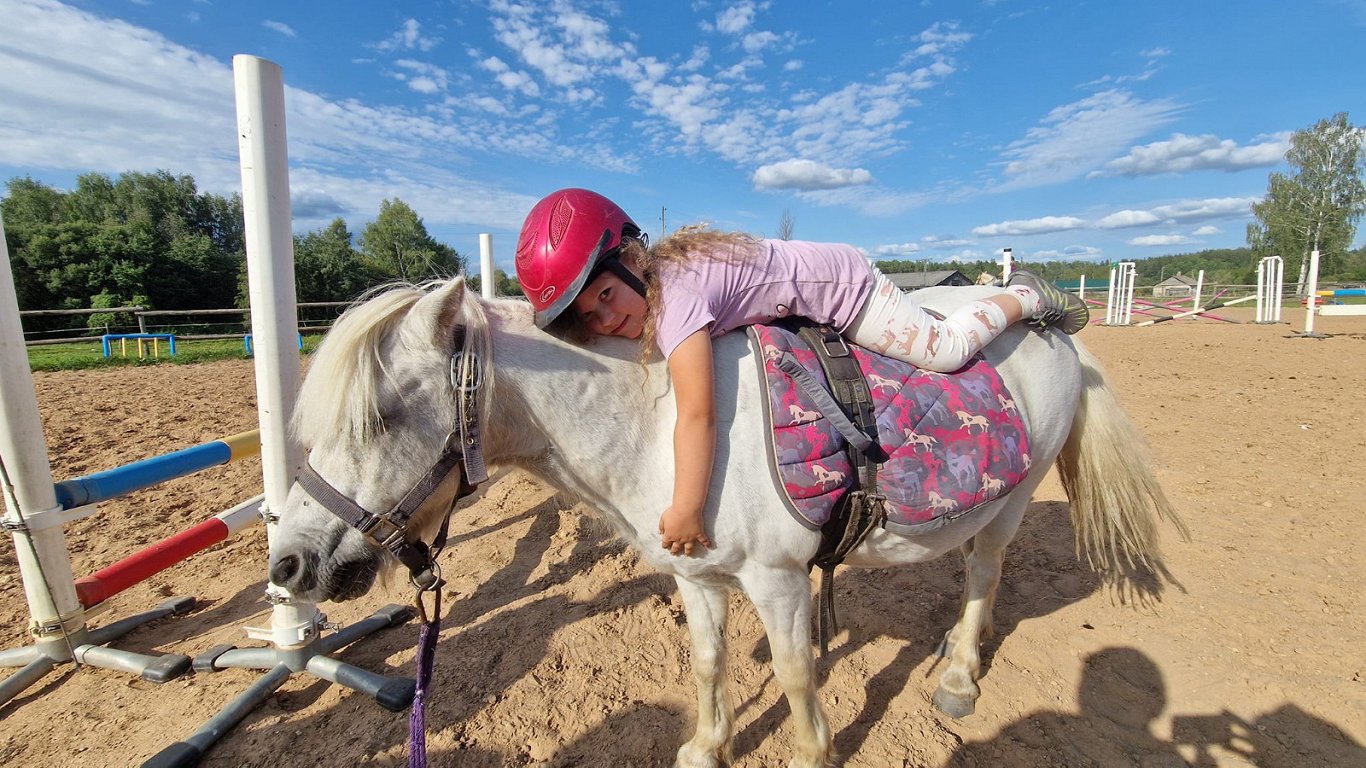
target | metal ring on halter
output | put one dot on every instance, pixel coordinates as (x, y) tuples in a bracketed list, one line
[(435, 570), (475, 380), (421, 607)]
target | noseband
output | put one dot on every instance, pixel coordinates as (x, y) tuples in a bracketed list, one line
[(462, 450)]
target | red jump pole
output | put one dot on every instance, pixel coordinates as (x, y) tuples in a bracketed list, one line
[(140, 566)]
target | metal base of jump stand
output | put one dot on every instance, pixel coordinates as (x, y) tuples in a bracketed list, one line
[(393, 693), (86, 646)]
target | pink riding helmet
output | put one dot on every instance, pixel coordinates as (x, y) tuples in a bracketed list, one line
[(569, 236)]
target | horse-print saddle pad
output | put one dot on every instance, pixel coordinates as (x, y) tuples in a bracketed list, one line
[(953, 441)]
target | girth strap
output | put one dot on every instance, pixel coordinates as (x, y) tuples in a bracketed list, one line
[(849, 407)]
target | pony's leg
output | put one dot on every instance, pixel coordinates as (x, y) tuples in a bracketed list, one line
[(783, 600), (982, 557), (707, 607)]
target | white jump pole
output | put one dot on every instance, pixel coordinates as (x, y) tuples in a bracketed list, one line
[(30, 500), (1006, 259), (1110, 296), (1270, 282), (487, 289), (1199, 289), (274, 321), (1311, 299), (295, 625), (35, 517), (1119, 304)]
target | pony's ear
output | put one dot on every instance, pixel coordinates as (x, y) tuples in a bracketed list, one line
[(436, 313)]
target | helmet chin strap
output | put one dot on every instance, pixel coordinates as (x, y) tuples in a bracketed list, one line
[(613, 264)]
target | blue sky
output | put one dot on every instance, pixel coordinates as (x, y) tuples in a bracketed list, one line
[(935, 130)]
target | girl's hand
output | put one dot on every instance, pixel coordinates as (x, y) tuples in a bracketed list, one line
[(681, 531)]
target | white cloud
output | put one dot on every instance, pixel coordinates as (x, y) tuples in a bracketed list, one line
[(1160, 240), (944, 243), (808, 175), (409, 37), (735, 19), (506, 77), (1121, 219), (1209, 208), (758, 41), (728, 112), (939, 40), (1077, 138), (280, 27), (792, 65), (1206, 231), (1070, 253), (929, 242), (1182, 153), (895, 249), (699, 57), (1037, 226), (78, 97), (421, 76)]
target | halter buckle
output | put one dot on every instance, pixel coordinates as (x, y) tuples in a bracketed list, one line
[(388, 538), (476, 378)]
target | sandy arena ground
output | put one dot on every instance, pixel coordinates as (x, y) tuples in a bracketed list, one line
[(560, 649)]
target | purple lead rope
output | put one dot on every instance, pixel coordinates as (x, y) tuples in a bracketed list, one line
[(417, 720)]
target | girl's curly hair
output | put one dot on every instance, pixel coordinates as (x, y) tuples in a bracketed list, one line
[(686, 244)]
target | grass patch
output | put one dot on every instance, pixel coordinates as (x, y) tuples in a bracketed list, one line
[(82, 355)]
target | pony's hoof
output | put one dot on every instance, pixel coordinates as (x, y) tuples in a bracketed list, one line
[(689, 758), (954, 705)]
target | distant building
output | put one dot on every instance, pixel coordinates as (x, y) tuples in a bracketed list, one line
[(910, 281), (1178, 286)]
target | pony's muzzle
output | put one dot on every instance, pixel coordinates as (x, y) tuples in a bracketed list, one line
[(294, 572)]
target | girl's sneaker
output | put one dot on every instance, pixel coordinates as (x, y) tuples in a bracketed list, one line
[(1057, 308)]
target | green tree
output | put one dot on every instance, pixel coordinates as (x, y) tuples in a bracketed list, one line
[(503, 284), (396, 244), (151, 235), (328, 268), (1317, 206)]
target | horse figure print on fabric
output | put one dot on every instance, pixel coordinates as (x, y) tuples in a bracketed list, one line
[(377, 405)]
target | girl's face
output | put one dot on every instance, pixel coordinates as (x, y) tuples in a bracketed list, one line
[(609, 307)]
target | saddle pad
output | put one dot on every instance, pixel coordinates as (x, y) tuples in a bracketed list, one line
[(954, 441)]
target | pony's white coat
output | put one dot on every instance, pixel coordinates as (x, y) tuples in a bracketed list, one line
[(377, 405)]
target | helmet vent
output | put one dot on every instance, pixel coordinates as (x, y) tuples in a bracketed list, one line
[(559, 221)]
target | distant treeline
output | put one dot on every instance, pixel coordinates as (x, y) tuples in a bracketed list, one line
[(1226, 266), (153, 240)]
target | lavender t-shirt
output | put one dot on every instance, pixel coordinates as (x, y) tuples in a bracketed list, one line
[(824, 282)]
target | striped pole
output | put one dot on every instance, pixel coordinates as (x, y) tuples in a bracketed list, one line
[(109, 581), (112, 483), (1206, 308)]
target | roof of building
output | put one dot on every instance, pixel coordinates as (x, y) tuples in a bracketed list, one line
[(1177, 279), (906, 280)]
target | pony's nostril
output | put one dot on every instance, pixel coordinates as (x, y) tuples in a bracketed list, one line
[(285, 570)]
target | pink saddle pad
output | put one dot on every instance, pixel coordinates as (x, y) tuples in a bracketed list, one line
[(954, 441)]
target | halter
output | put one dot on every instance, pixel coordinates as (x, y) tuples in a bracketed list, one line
[(462, 450)]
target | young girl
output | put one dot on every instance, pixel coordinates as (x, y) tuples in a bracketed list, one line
[(588, 270)]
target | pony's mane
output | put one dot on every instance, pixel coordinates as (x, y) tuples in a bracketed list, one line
[(339, 401)]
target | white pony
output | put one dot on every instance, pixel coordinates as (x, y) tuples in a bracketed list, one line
[(378, 403)]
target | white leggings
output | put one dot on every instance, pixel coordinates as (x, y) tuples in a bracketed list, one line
[(894, 324)]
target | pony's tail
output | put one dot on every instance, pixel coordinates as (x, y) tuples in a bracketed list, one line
[(1106, 469)]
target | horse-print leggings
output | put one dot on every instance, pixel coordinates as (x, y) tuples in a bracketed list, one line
[(894, 324)]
